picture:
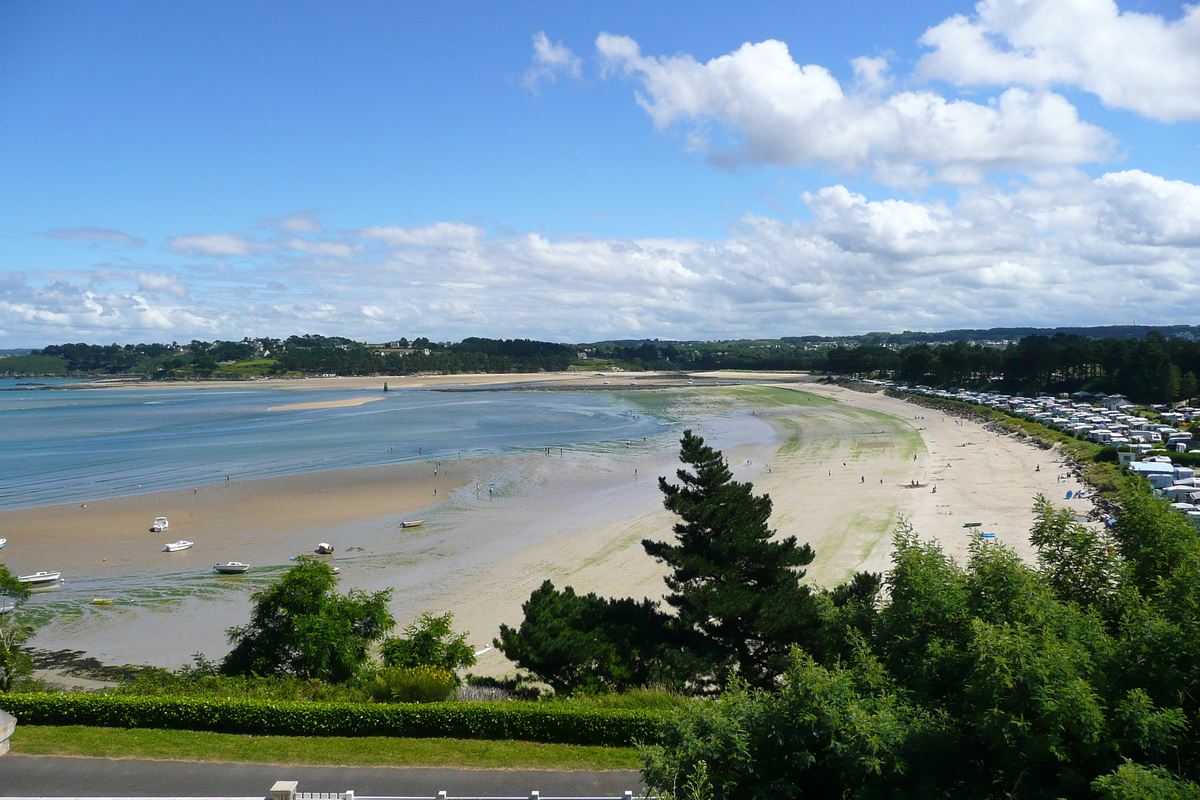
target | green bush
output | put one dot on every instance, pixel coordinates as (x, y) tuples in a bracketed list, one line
[(645, 699), (536, 722), (157, 681), (423, 684)]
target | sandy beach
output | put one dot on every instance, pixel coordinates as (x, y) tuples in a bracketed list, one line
[(839, 465), (838, 474)]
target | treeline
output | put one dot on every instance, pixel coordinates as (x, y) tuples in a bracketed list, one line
[(308, 354), (1154, 369), (995, 335), (469, 355), (1075, 677)]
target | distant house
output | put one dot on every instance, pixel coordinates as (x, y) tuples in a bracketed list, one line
[(1116, 402)]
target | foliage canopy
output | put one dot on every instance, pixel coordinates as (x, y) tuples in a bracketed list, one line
[(301, 626)]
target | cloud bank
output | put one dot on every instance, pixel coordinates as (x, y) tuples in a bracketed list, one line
[(1130, 60), (1068, 249), (774, 111)]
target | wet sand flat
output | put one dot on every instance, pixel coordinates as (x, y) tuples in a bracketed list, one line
[(251, 521)]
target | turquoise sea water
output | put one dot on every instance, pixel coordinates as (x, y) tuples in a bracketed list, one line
[(75, 445)]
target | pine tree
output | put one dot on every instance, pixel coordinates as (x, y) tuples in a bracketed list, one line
[(732, 581)]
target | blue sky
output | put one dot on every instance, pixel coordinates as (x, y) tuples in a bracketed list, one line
[(699, 170)]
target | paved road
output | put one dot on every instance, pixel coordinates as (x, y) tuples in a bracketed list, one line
[(65, 776)]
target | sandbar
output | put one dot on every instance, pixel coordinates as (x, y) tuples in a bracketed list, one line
[(376, 382), (353, 401)]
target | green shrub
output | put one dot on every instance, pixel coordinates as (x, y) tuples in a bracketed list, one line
[(646, 699), (246, 687), (423, 684), (535, 722)]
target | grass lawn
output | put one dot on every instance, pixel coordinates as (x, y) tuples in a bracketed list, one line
[(366, 751)]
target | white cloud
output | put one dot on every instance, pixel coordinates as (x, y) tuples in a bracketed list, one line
[(1130, 60), (1145, 209), (1061, 249), (156, 283), (870, 74), (779, 112), (894, 227), (327, 248), (94, 235), (549, 60), (441, 234), (300, 222), (59, 310), (213, 244)]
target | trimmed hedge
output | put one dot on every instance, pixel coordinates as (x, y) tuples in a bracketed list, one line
[(534, 722)]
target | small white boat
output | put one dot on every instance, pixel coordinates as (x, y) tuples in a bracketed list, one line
[(412, 523), (7, 605), (160, 525), (3, 542), (41, 578), (232, 568), (325, 548), (175, 547)]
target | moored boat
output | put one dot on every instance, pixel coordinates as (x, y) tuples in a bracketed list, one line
[(3, 542), (232, 568), (175, 547), (324, 548), (412, 523), (102, 601), (41, 578), (160, 525)]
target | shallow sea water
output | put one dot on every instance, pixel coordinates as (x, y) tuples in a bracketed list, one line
[(73, 445)]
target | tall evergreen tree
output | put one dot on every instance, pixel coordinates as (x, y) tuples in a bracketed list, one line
[(732, 581)]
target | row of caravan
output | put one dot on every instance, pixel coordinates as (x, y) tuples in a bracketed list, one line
[(1174, 482)]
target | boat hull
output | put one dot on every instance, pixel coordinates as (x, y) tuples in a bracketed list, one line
[(40, 578)]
